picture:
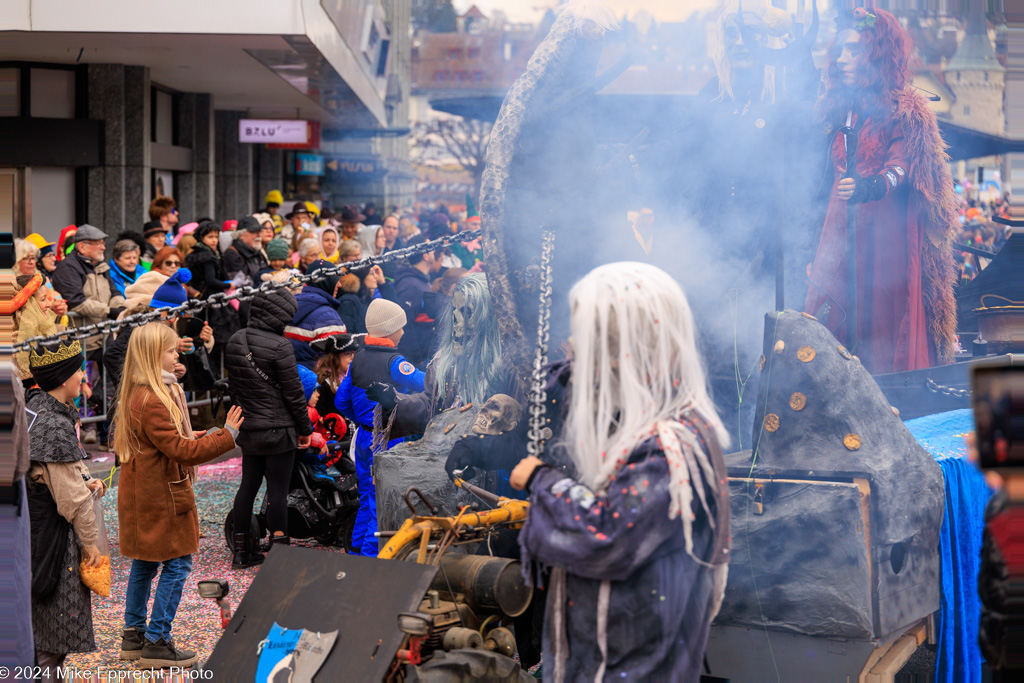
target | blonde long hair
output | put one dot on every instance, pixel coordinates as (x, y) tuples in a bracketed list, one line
[(142, 370)]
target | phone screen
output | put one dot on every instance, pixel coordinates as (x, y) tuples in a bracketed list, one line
[(999, 415)]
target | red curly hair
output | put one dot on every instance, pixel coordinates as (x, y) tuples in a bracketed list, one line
[(888, 65)]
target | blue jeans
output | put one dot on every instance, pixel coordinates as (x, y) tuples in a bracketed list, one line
[(168, 595)]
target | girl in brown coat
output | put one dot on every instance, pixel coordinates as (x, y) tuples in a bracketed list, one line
[(156, 508)]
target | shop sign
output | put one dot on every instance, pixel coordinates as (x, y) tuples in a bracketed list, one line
[(356, 169), (312, 140), (273, 130), (309, 164)]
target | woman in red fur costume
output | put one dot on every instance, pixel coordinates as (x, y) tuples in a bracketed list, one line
[(905, 206)]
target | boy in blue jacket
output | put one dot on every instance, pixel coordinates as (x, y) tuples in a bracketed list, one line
[(378, 362)]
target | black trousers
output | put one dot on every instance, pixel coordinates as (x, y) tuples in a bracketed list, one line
[(277, 469)]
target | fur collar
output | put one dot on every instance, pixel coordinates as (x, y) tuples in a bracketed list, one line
[(934, 203)]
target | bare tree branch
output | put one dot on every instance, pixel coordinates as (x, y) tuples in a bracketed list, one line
[(457, 140)]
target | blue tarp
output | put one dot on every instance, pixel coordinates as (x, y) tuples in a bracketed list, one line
[(942, 435)]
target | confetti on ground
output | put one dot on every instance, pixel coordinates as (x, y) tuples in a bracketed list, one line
[(197, 624)]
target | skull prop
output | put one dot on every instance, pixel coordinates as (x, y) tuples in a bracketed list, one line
[(499, 414)]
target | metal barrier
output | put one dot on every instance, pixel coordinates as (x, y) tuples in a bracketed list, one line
[(191, 396)]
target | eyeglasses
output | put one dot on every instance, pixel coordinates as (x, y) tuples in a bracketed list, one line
[(172, 263)]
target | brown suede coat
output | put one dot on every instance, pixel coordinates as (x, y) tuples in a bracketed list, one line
[(156, 507)]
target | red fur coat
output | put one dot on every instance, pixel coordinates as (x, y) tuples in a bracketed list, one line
[(905, 269)]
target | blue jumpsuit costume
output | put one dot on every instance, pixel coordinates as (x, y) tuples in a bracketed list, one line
[(376, 361)]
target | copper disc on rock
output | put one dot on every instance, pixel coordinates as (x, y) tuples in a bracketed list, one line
[(844, 352), (760, 363), (852, 442), (771, 422), (895, 411), (779, 346), (805, 353), (808, 315), (797, 401)]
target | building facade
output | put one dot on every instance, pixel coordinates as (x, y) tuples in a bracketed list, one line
[(107, 104)]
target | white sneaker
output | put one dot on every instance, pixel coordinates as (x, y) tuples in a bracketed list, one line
[(89, 435)]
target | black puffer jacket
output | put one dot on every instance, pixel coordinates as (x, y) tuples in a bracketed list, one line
[(264, 405)]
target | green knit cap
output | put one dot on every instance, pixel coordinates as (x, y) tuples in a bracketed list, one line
[(278, 249)]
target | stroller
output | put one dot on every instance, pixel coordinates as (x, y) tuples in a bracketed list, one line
[(322, 501)]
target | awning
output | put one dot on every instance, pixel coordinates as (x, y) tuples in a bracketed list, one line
[(967, 143)]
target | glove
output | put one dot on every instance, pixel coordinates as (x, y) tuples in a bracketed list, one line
[(869, 189), (463, 456), (114, 312), (497, 452), (384, 394)]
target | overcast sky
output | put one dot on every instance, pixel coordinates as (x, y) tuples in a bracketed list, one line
[(532, 10)]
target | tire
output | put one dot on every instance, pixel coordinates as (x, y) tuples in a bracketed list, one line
[(348, 527), (254, 531)]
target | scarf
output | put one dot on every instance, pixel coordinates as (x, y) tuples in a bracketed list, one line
[(178, 396), (120, 278)]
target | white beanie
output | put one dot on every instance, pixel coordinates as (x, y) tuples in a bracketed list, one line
[(384, 318)]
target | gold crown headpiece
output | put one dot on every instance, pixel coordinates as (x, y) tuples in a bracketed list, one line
[(47, 357)]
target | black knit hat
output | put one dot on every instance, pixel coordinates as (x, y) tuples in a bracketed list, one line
[(53, 364)]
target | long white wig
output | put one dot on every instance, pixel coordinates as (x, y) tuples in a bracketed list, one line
[(635, 371), (776, 23), (471, 370)]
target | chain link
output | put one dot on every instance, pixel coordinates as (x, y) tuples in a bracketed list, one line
[(221, 299), (948, 391), (538, 403)]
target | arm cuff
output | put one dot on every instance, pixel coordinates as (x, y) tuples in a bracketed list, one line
[(533, 475)]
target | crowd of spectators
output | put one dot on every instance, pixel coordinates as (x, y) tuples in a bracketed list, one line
[(304, 336), (88, 276), (980, 232)]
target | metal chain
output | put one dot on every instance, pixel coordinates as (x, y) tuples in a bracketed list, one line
[(538, 404), (948, 391), (221, 299)]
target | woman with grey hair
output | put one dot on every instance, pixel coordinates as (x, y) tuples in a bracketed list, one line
[(124, 264), (308, 251), (25, 254)]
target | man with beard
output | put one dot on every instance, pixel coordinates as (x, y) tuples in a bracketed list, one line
[(900, 198)]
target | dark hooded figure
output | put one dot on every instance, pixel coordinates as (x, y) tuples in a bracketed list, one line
[(633, 548), (265, 383)]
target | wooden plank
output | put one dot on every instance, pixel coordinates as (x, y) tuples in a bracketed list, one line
[(865, 511), (895, 658)]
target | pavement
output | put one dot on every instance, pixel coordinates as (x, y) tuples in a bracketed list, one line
[(197, 624)]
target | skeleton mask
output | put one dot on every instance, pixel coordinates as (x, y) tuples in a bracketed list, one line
[(499, 414), (461, 316)]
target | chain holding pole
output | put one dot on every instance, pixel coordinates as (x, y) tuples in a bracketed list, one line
[(221, 299), (538, 400)]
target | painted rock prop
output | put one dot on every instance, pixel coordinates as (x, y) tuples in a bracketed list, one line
[(836, 511), (421, 464)]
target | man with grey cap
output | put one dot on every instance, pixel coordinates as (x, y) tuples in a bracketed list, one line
[(83, 279), (375, 367)]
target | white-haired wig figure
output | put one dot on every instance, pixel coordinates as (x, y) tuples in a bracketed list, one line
[(467, 364), (643, 528), (635, 367), (767, 24)]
